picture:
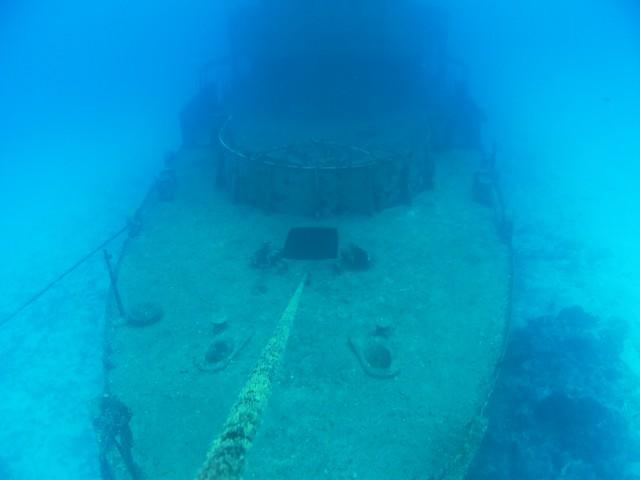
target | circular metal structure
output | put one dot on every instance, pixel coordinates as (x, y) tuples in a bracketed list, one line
[(321, 178)]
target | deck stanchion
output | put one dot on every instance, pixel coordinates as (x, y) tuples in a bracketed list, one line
[(60, 277), (114, 285)]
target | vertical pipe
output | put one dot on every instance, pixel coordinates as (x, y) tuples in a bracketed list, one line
[(114, 286)]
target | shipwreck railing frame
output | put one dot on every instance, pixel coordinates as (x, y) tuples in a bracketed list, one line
[(265, 159)]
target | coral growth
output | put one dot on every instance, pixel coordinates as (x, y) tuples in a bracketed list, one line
[(558, 408)]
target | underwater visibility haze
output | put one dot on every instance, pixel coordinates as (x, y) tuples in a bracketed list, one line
[(349, 239)]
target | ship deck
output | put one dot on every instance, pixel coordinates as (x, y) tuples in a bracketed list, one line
[(439, 286)]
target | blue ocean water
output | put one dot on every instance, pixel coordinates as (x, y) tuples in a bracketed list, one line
[(92, 95)]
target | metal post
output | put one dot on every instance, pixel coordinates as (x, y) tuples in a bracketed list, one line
[(59, 278), (114, 286)]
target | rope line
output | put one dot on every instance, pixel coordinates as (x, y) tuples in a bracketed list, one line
[(228, 453)]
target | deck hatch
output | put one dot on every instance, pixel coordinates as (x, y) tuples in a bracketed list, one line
[(311, 243)]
